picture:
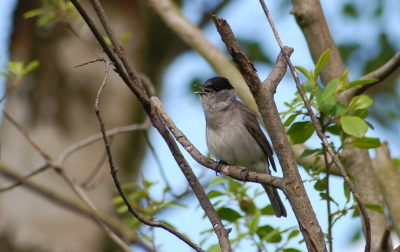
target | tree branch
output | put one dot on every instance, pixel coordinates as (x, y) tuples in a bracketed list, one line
[(311, 19), (322, 136), (195, 38), (387, 175), (75, 206), (381, 73), (263, 94), (228, 170)]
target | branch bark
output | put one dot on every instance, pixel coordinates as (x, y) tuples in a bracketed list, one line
[(310, 18), (263, 94), (76, 206), (387, 175), (196, 39), (129, 75)]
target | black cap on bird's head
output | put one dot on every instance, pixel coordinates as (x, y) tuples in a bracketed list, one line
[(215, 84)]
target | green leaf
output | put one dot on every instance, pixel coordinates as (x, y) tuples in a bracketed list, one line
[(328, 105), (396, 161), (321, 62), (320, 185), (362, 113), (334, 129), (215, 194), (228, 214), (291, 250), (218, 180), (293, 234), (299, 132), (269, 234), (255, 222), (344, 76), (268, 210), (354, 125), (346, 192), (360, 83), (46, 19), (338, 109), (31, 66), (366, 142), (289, 120), (374, 207), (326, 101), (330, 89), (5, 75), (308, 152), (33, 13), (304, 71), (360, 102), (324, 196), (16, 67), (214, 248)]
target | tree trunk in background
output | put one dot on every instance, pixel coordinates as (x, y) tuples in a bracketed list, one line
[(55, 103)]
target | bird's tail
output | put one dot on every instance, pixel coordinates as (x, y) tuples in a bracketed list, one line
[(276, 201)]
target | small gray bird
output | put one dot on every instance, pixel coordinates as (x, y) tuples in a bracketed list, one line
[(234, 135)]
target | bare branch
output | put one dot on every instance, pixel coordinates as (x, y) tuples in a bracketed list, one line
[(114, 171), (322, 136), (381, 73), (388, 178), (195, 38), (75, 206), (27, 136)]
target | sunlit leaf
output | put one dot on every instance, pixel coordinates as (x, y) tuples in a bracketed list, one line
[(321, 62), (366, 142), (360, 102), (304, 71), (374, 207), (361, 82), (354, 125)]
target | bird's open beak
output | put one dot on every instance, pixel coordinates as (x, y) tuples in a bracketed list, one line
[(200, 92)]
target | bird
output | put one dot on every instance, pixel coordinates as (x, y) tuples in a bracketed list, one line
[(234, 135)]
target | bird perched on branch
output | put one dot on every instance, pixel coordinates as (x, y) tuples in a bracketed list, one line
[(234, 135)]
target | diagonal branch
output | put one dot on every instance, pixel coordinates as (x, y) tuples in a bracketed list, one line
[(321, 135), (263, 94), (114, 171), (381, 73)]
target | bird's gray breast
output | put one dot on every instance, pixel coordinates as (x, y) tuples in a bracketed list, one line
[(230, 141)]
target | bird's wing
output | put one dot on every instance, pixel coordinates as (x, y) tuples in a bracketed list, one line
[(253, 126)]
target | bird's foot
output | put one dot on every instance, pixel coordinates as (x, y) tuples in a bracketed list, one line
[(246, 172), (219, 166)]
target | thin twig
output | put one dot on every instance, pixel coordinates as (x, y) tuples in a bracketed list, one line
[(91, 61), (114, 171), (69, 181), (97, 137), (158, 161), (321, 134), (27, 136), (42, 168), (73, 205), (94, 172)]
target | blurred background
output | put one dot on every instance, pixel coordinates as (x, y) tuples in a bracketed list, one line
[(55, 103)]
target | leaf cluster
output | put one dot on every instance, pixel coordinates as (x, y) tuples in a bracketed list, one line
[(235, 205)]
